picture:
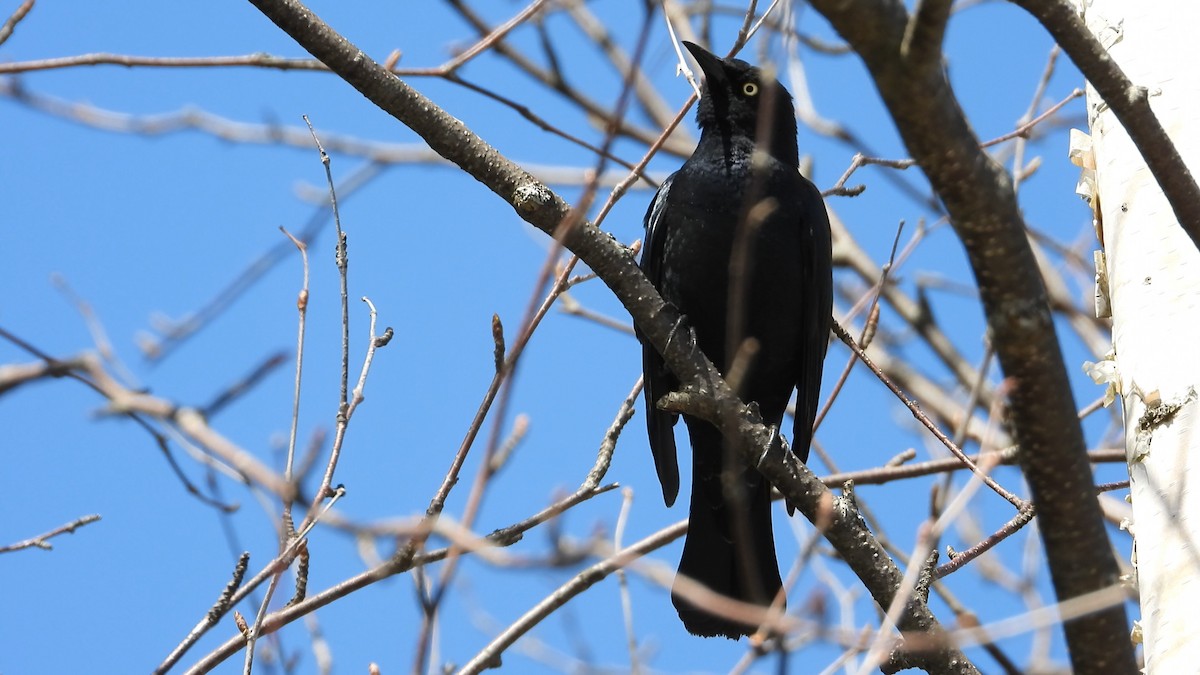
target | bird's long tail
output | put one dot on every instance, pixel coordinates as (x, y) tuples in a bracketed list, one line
[(730, 546)]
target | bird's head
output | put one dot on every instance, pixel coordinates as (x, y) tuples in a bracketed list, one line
[(739, 99)]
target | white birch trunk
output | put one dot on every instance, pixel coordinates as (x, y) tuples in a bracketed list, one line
[(1153, 285)]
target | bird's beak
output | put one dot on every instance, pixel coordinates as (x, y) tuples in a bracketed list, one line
[(711, 64)]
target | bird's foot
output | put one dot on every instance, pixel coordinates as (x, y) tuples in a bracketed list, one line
[(681, 324), (775, 449), (775, 442)]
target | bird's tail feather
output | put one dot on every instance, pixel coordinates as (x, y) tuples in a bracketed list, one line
[(730, 546)]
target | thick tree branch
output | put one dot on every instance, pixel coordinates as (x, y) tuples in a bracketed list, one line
[(541, 207), (979, 197), (1129, 102), (925, 32)]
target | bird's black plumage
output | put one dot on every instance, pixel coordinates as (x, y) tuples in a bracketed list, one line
[(738, 241)]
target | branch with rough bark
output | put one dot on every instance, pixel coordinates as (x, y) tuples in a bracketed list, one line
[(541, 207), (1129, 102), (983, 210)]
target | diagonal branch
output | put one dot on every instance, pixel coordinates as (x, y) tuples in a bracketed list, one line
[(981, 202), (541, 207), (1129, 102), (42, 541)]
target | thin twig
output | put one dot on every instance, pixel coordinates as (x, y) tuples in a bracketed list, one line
[(1023, 129), (489, 655), (1129, 103), (10, 24), (609, 443), (623, 583), (218, 610), (137, 407), (273, 571), (398, 564), (131, 61), (924, 419), (868, 329), (1039, 91), (957, 560), (42, 541), (289, 529)]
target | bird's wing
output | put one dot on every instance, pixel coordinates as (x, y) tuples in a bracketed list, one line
[(657, 379), (816, 316)]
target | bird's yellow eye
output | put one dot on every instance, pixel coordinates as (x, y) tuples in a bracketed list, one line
[(750, 89)]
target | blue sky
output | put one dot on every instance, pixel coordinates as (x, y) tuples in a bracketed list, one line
[(147, 226)]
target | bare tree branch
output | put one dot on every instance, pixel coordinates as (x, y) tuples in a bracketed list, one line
[(42, 541), (539, 206), (1129, 102), (10, 24), (982, 205)]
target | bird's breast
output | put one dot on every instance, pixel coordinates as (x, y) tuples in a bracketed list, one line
[(733, 248)]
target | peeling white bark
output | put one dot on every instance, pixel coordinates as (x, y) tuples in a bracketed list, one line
[(1153, 284)]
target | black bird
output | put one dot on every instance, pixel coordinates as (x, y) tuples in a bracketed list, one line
[(738, 241)]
